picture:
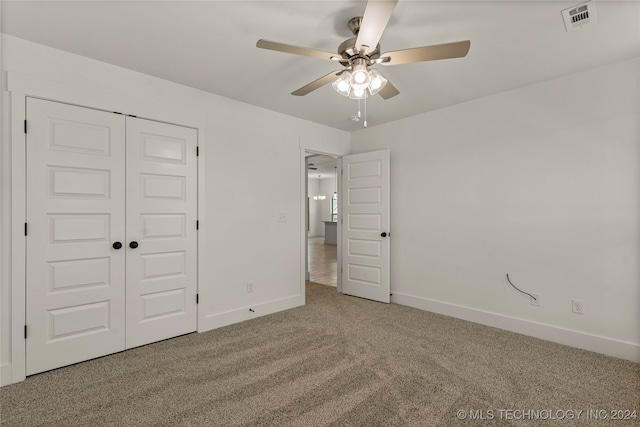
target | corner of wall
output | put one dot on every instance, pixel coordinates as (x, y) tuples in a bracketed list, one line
[(568, 337), (249, 312)]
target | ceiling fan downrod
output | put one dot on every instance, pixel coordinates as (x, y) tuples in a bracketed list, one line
[(354, 25)]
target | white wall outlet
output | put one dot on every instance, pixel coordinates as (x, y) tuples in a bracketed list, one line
[(282, 217), (250, 286), (577, 306), (535, 300)]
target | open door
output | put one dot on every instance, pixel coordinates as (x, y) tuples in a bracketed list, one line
[(365, 225)]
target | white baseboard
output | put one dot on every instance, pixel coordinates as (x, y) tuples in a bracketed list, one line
[(5, 374), (230, 317), (608, 346)]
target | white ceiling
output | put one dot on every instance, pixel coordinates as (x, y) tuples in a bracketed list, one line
[(210, 45), (326, 166)]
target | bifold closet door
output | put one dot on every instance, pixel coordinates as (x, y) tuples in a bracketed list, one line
[(75, 280), (161, 242)]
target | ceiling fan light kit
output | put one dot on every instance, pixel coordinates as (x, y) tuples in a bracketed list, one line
[(360, 82), (357, 80)]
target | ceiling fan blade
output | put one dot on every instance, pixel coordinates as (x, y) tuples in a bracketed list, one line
[(375, 19), (388, 91), (296, 50), (317, 83), (427, 53)]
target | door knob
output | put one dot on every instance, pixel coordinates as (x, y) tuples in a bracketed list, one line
[(117, 245), (383, 234), (133, 244)]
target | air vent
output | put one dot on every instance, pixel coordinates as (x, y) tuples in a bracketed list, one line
[(578, 16)]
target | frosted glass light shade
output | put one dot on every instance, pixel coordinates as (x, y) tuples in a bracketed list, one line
[(360, 74), (343, 84), (358, 91), (376, 81), (360, 77)]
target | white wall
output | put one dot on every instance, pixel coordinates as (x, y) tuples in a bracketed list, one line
[(542, 183), (320, 210), (327, 187), (316, 228), (243, 239)]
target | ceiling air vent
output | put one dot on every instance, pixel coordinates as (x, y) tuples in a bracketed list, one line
[(578, 16)]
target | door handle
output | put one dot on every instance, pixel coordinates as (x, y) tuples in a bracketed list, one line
[(383, 234), (117, 245), (133, 244)]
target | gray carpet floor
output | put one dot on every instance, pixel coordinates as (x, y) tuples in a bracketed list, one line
[(339, 361)]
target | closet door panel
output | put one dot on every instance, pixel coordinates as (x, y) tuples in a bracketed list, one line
[(75, 281), (161, 220)]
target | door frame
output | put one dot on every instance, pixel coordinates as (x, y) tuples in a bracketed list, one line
[(20, 86), (304, 243)]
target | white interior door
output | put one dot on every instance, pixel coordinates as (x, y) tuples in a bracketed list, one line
[(365, 225), (161, 220), (75, 285)]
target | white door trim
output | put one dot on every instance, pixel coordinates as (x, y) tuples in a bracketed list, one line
[(22, 86)]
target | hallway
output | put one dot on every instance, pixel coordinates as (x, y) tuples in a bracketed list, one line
[(323, 264)]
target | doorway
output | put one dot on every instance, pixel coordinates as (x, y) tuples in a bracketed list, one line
[(322, 219)]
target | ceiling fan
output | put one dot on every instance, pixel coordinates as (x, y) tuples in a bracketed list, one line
[(357, 80)]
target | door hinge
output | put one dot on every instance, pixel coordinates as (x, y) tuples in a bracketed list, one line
[(25, 332), (197, 298), (197, 151), (25, 126), (197, 225), (25, 228)]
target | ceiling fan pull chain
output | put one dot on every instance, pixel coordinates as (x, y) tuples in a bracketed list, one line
[(365, 109)]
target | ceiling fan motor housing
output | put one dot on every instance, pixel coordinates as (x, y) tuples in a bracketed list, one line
[(347, 48), (349, 52)]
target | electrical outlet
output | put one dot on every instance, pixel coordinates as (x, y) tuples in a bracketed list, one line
[(282, 217), (250, 286), (536, 301), (577, 306)]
